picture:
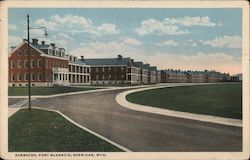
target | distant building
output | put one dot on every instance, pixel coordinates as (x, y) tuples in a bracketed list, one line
[(112, 70), (237, 77), (171, 75), (143, 72), (152, 74), (196, 77)]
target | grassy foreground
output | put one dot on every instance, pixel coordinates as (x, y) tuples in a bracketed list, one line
[(44, 131), (223, 100), (23, 91)]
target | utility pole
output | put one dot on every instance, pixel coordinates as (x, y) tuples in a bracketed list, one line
[(28, 31), (28, 52)]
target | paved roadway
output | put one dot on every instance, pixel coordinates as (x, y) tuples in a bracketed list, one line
[(140, 131)]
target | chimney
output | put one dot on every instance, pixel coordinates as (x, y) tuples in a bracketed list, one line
[(12, 47), (119, 57), (43, 42), (82, 57), (52, 44), (35, 41), (75, 58)]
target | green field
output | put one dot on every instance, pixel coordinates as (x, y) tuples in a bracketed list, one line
[(223, 100), (44, 131), (23, 91)]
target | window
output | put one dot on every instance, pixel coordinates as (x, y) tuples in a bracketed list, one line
[(32, 76), (19, 76), (32, 52), (12, 77), (103, 76), (39, 63), (46, 63), (96, 69), (109, 68), (51, 52), (19, 52), (55, 77), (102, 69), (25, 64), (39, 76), (32, 63), (19, 63), (25, 76), (47, 76), (12, 64), (25, 52)]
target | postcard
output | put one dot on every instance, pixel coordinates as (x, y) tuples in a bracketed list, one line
[(110, 80)]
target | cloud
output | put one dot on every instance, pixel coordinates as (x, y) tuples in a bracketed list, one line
[(191, 21), (200, 61), (168, 43), (14, 41), (225, 41), (126, 46), (77, 24), (190, 43), (62, 39), (107, 28), (172, 26), (152, 26), (12, 27), (193, 44), (222, 62), (131, 41)]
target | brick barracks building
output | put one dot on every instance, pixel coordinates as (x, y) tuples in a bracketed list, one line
[(119, 70), (49, 66)]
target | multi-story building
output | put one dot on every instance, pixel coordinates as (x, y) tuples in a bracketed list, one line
[(171, 75), (153, 74), (48, 66), (196, 77), (118, 70), (79, 72), (143, 72), (158, 76)]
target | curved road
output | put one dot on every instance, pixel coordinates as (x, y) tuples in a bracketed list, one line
[(140, 131)]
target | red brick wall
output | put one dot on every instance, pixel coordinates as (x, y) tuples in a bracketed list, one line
[(35, 56), (108, 72)]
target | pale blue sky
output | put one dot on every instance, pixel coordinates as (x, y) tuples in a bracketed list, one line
[(180, 36)]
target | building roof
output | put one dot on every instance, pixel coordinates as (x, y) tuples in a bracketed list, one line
[(153, 68), (171, 71), (38, 48), (107, 61), (77, 62), (138, 64)]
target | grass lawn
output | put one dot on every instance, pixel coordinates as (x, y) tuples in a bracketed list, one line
[(23, 91), (223, 100), (44, 131)]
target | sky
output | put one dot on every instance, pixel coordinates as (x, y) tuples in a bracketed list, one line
[(169, 38)]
